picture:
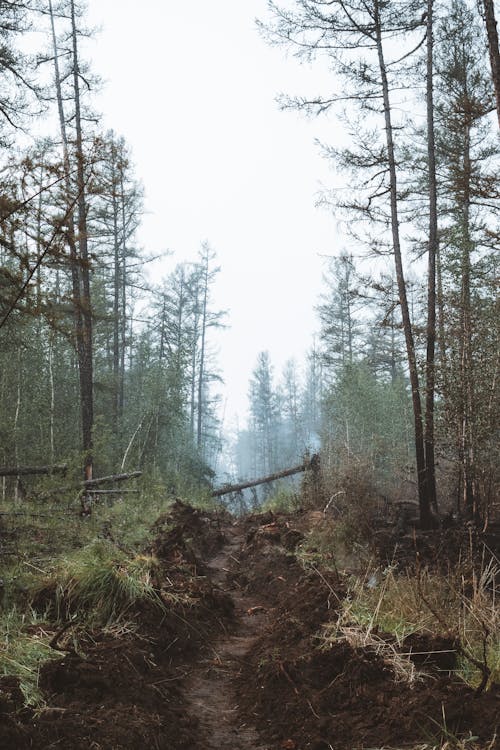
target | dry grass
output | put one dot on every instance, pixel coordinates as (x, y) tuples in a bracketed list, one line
[(402, 668), (463, 606)]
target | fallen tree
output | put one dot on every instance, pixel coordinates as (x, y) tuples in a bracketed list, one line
[(312, 463), (89, 484)]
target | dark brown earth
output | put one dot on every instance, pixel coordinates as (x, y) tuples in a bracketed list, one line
[(236, 662)]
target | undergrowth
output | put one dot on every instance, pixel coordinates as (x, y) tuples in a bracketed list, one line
[(99, 584), (95, 586), (58, 567), (24, 647), (284, 499), (456, 606)]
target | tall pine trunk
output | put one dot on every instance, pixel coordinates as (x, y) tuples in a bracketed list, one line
[(116, 293), (78, 251), (123, 326), (468, 493), (431, 273), (201, 373), (492, 32), (85, 355), (423, 497)]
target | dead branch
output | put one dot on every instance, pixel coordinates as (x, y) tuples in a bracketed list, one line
[(115, 492), (112, 478)]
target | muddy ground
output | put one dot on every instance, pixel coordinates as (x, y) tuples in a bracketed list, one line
[(235, 660)]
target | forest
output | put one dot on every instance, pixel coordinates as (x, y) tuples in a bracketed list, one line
[(324, 575)]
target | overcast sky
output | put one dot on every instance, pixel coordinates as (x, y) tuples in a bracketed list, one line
[(192, 86)]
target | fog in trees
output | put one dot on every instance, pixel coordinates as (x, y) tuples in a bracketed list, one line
[(110, 349), (249, 365)]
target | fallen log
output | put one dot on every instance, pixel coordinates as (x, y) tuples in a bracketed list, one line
[(90, 483), (115, 492), (24, 471), (228, 488), (111, 478)]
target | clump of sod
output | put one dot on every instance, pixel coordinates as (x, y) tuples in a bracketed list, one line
[(24, 647), (462, 605), (100, 584)]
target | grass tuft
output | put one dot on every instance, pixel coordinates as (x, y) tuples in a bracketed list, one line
[(100, 584), (24, 647)]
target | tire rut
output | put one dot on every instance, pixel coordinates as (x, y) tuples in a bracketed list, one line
[(209, 688)]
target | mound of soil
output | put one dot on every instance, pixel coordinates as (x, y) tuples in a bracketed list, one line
[(122, 694), (189, 535), (236, 659), (123, 689), (345, 697), (338, 696), (438, 549)]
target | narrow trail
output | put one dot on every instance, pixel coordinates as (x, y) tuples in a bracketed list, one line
[(214, 669), (209, 688)]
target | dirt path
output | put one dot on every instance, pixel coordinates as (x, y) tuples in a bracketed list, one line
[(214, 670), (209, 688)]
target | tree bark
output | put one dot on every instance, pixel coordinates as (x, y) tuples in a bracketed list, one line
[(201, 374), (424, 505), (88, 484), (430, 469), (468, 484), (111, 478), (85, 348), (492, 33), (123, 326), (78, 251), (116, 295), (227, 489)]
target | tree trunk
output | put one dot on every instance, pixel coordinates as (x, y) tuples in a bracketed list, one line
[(194, 358), (424, 505), (78, 263), (431, 272), (492, 32), (227, 489), (123, 327), (85, 343), (16, 420), (116, 294), (90, 483), (468, 486), (201, 374), (52, 396)]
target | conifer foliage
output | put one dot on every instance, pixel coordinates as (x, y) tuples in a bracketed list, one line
[(98, 366)]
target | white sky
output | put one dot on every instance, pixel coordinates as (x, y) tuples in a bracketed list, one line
[(191, 86)]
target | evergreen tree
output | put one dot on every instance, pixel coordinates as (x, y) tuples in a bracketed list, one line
[(337, 313), (358, 38), (264, 416), (468, 165)]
